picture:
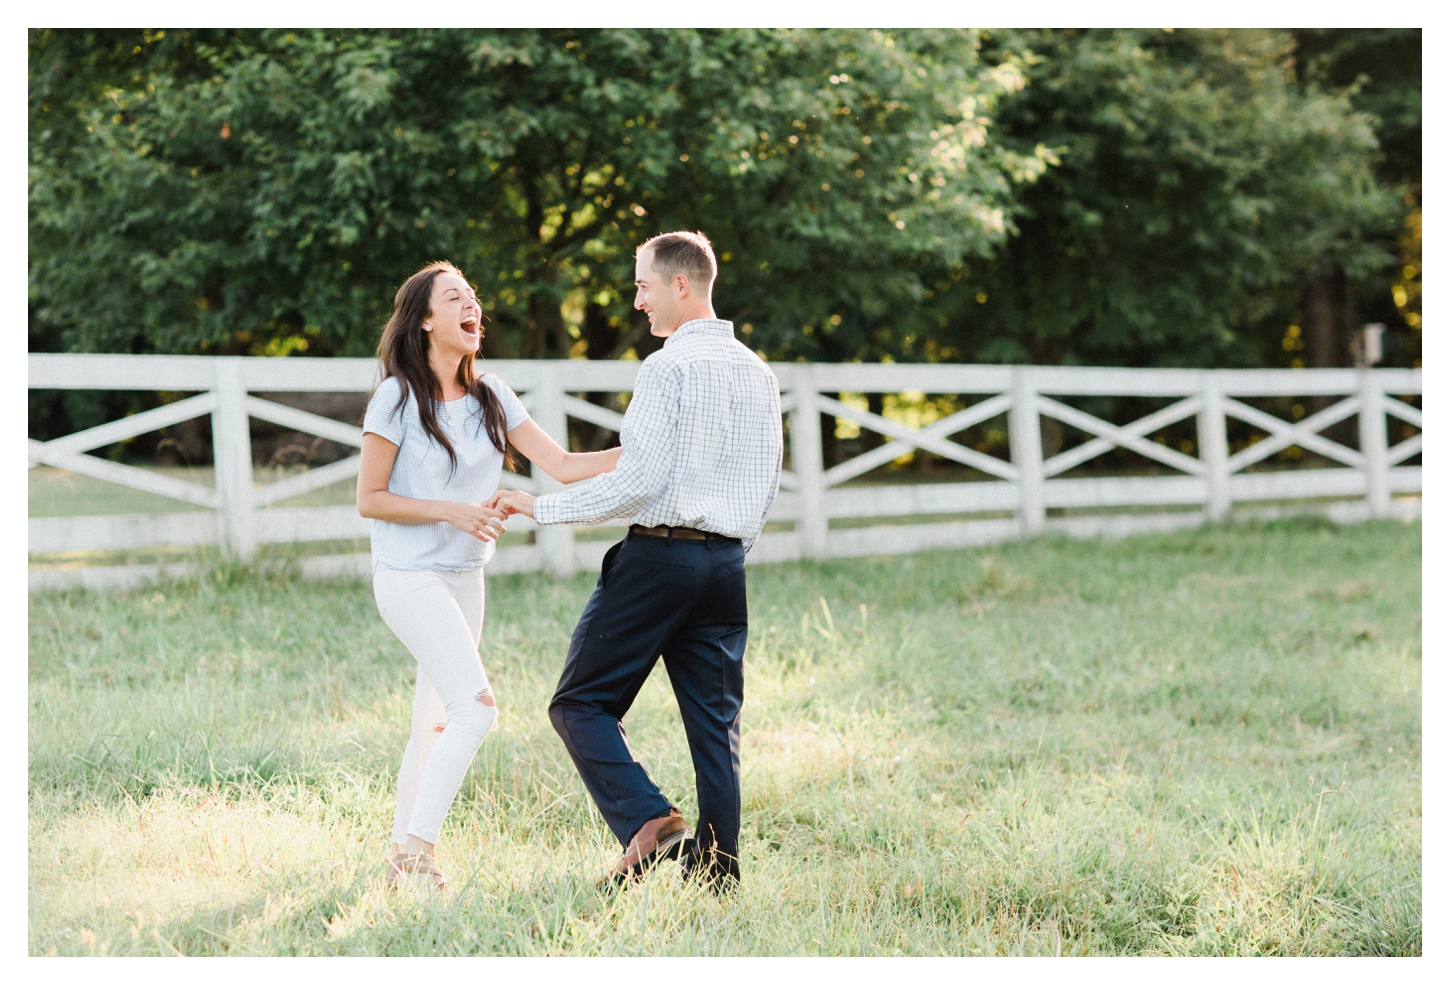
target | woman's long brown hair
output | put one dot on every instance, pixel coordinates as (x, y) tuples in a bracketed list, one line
[(403, 352)]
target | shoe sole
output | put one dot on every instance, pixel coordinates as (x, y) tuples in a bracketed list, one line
[(671, 848)]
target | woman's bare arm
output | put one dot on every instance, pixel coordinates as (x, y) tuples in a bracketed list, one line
[(562, 465), (374, 500)]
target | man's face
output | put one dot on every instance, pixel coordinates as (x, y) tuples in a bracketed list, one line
[(656, 296)]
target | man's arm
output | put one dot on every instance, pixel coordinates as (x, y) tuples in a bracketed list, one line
[(647, 441), (779, 461)]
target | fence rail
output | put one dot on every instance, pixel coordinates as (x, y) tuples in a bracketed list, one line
[(241, 513)]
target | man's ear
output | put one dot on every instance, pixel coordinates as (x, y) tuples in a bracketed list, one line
[(682, 285)]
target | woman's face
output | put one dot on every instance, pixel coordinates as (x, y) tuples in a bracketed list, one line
[(457, 321)]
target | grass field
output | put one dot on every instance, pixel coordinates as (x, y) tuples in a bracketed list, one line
[(1199, 743)]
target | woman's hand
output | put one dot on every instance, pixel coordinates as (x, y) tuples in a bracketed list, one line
[(478, 519), (481, 520)]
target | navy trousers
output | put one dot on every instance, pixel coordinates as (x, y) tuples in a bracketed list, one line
[(683, 601)]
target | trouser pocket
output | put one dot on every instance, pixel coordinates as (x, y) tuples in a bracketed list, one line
[(608, 564)]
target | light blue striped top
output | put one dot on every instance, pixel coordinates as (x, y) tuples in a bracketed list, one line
[(422, 471)]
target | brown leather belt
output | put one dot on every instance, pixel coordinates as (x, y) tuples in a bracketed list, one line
[(677, 533)]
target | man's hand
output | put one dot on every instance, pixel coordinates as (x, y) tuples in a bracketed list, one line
[(513, 501)]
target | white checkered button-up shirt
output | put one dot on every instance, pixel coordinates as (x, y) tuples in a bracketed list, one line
[(701, 439)]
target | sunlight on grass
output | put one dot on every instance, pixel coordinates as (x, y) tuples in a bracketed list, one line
[(1198, 743)]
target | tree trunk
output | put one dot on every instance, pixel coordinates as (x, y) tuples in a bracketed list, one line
[(495, 344), (599, 335), (829, 452), (1327, 315), (543, 326), (875, 403)]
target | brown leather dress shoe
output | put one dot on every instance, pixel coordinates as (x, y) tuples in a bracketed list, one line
[(657, 839)]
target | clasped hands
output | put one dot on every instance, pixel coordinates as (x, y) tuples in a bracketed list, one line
[(485, 520), (512, 501)]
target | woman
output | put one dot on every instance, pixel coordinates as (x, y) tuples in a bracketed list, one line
[(434, 441)]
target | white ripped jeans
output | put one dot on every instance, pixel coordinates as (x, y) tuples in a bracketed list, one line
[(438, 615)]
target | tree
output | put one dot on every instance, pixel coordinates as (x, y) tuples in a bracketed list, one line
[(1379, 70), (1118, 196), (1198, 189), (265, 191)]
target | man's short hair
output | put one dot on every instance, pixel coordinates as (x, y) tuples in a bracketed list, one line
[(683, 253)]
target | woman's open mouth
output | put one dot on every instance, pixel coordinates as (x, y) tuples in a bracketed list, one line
[(469, 327)]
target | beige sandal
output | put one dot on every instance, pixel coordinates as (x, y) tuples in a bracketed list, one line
[(415, 870)]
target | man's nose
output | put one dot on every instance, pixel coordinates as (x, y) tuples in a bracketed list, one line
[(639, 300)]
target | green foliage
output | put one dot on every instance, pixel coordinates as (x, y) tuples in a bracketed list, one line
[(1199, 186), (1099, 196), (264, 191), (1199, 743), (1380, 69)]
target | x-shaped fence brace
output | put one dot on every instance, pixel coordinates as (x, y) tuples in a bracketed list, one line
[(1306, 435), (1283, 433), (1132, 436), (1412, 445), (932, 438), (69, 452), (323, 427)]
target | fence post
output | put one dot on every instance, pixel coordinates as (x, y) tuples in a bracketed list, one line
[(1374, 445), (555, 541), (1025, 435), (805, 457), (232, 451), (1213, 446)]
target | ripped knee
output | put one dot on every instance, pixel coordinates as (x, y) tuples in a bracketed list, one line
[(485, 698)]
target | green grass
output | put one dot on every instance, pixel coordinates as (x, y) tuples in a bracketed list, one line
[(1199, 743)]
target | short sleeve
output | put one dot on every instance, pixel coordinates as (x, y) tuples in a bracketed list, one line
[(513, 408), (384, 417)]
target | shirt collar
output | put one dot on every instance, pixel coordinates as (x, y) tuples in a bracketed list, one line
[(703, 326)]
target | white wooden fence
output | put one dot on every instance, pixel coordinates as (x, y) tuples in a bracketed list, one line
[(1205, 487)]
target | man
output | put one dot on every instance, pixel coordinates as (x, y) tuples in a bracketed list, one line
[(699, 469)]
